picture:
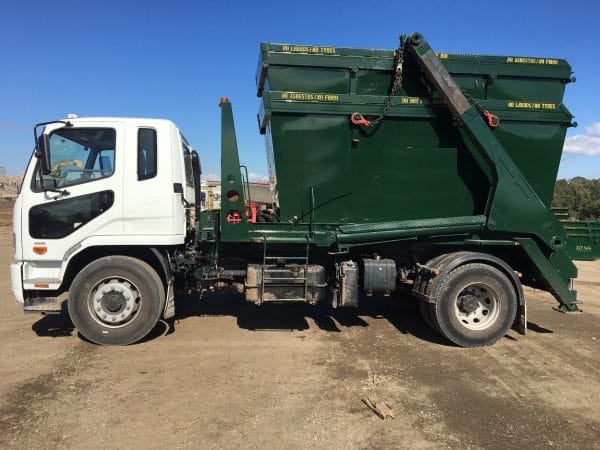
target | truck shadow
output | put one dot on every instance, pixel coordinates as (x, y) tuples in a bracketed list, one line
[(58, 325), (54, 325), (401, 311)]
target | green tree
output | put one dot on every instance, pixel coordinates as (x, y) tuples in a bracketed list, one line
[(580, 195)]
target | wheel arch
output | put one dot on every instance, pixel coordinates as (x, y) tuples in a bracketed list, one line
[(157, 258), (430, 279)]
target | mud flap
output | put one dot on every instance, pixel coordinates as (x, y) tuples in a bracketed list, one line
[(520, 325), (169, 310), (170, 301)]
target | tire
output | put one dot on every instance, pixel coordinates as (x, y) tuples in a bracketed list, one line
[(476, 305), (116, 300)]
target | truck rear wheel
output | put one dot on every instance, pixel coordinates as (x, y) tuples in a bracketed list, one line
[(116, 300), (475, 306)]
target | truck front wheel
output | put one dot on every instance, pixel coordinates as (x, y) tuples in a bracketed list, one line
[(116, 300), (475, 306)]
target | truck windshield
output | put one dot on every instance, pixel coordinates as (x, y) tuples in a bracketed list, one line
[(78, 155)]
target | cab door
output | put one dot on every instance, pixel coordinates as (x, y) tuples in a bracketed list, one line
[(80, 198)]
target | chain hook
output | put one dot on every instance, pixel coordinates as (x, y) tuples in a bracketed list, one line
[(492, 119), (358, 119)]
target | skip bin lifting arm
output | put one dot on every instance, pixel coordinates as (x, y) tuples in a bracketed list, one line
[(513, 205)]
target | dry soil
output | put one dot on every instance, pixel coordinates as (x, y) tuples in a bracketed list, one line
[(228, 374)]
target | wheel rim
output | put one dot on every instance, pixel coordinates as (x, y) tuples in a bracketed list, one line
[(114, 302), (477, 306)]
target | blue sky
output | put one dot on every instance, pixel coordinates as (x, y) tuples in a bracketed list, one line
[(175, 59)]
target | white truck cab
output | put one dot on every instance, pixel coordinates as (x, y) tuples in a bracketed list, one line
[(110, 192)]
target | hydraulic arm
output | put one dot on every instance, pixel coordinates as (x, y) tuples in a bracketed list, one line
[(513, 205)]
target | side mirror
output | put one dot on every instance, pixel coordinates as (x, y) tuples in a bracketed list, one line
[(196, 173), (42, 151)]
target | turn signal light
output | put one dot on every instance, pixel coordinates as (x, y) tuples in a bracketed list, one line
[(40, 249)]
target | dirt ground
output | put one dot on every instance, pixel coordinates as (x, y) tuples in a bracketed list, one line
[(228, 374)]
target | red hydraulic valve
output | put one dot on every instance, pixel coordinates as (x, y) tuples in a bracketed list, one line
[(252, 212)]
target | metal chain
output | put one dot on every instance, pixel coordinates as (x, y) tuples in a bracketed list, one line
[(473, 101), (398, 62), (491, 119)]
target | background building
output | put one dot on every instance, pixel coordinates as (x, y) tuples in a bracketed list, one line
[(260, 193), (9, 186)]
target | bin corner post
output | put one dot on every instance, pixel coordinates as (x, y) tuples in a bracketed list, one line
[(233, 217), (513, 207), (552, 270)]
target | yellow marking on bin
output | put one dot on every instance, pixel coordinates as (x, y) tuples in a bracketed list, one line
[(524, 60), (308, 49), (309, 97)]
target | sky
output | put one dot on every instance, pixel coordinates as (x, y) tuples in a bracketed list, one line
[(175, 59)]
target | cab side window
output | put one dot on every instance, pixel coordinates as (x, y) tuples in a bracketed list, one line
[(146, 154)]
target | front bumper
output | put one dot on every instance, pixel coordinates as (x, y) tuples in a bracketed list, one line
[(16, 281)]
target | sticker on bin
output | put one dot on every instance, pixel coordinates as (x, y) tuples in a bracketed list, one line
[(308, 49), (309, 97), (522, 60), (531, 105)]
